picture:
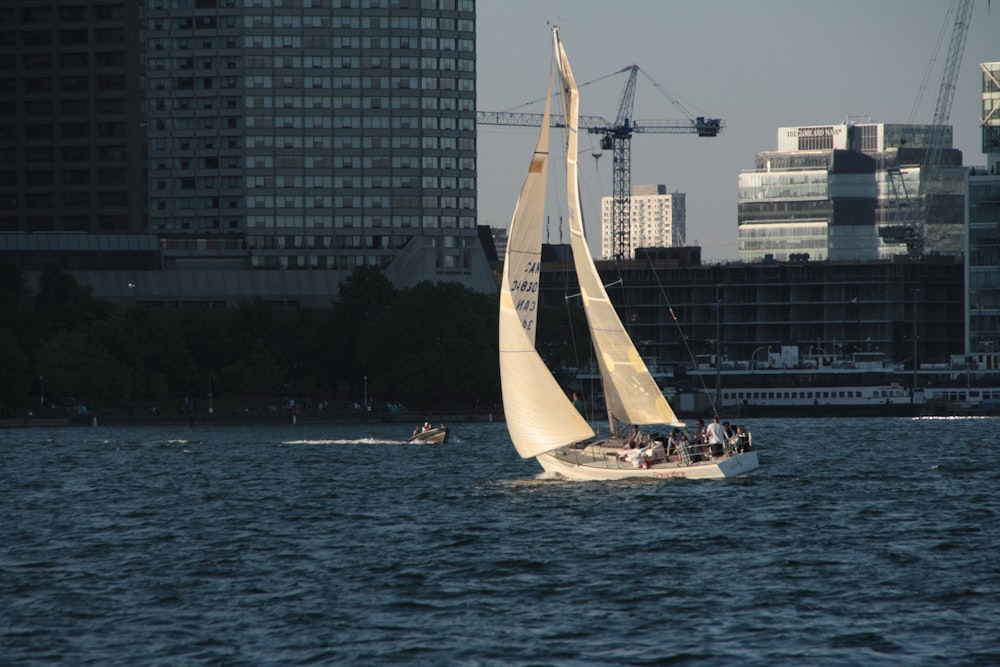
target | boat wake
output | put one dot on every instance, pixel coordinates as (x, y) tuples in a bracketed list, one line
[(345, 441)]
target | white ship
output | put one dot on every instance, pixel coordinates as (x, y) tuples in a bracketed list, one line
[(784, 383)]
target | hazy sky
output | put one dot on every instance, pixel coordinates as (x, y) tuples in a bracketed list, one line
[(757, 64)]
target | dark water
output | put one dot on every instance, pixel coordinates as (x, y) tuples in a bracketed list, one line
[(858, 542)]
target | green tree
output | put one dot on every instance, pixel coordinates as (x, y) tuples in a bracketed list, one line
[(13, 293), (17, 370), (74, 366), (65, 303), (363, 295), (434, 345)]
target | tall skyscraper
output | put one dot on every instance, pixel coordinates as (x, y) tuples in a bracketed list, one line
[(72, 154), (266, 135), (334, 133)]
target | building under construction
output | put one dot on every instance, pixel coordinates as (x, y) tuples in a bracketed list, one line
[(677, 308)]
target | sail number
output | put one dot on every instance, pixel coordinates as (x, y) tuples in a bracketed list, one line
[(524, 286)]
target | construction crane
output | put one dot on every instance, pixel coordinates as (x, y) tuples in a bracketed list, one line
[(911, 216), (616, 137)]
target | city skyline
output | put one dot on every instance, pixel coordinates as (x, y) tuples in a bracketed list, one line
[(758, 66)]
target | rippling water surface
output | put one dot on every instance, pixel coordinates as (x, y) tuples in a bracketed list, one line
[(858, 542)]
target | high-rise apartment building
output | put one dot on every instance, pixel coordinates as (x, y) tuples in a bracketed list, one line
[(258, 135), (72, 153), (334, 133), (658, 220), (849, 192)]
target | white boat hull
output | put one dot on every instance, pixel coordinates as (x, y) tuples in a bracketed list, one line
[(435, 436), (600, 462)]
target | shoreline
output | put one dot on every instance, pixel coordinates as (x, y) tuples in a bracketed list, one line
[(456, 417), (206, 419)]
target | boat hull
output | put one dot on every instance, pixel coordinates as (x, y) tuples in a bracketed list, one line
[(600, 462), (435, 436)]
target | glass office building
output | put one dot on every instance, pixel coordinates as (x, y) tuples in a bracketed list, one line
[(847, 192), (983, 265)]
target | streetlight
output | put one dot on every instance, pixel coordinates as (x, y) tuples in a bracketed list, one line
[(364, 406)]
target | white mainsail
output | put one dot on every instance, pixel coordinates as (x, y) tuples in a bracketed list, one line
[(523, 260), (539, 416), (630, 392)]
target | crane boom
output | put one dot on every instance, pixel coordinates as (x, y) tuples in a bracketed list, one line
[(616, 137), (911, 220), (949, 78), (703, 127)]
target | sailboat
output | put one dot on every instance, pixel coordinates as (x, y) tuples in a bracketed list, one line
[(542, 422)]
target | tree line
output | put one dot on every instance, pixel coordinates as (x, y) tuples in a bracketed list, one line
[(428, 347)]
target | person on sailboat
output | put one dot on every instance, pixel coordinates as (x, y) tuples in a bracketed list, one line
[(684, 450), (578, 404), (699, 432), (715, 436), (653, 453), (634, 454), (743, 440), (673, 441), (633, 451)]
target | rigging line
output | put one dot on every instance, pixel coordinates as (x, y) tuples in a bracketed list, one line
[(680, 330), (589, 408), (579, 85), (589, 401), (930, 64), (672, 97), (624, 296)]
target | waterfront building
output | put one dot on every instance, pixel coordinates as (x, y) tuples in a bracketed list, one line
[(852, 191), (739, 311), (251, 139), (983, 253), (658, 220)]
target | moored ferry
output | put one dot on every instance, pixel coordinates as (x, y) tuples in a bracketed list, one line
[(864, 384)]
